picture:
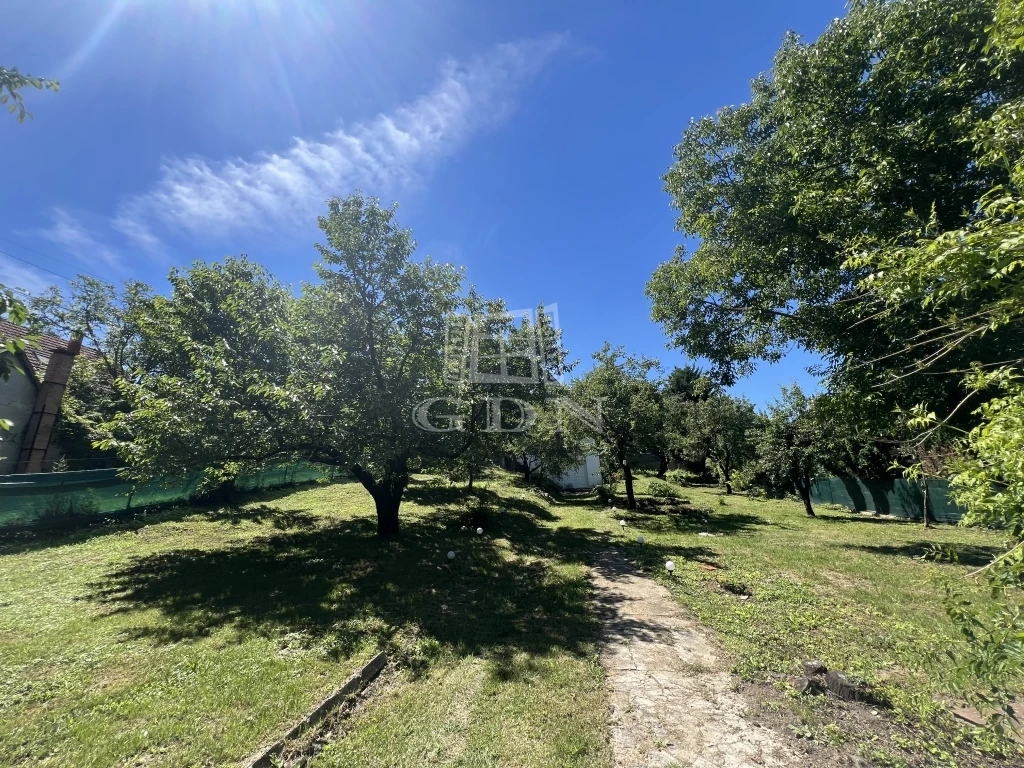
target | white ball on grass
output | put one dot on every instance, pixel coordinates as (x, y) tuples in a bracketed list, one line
[(670, 566), (451, 555), (479, 531)]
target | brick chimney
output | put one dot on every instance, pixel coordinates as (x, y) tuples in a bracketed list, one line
[(47, 406)]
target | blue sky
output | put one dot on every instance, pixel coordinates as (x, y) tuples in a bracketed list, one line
[(523, 140)]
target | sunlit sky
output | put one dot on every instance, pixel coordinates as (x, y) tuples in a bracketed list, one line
[(523, 140)]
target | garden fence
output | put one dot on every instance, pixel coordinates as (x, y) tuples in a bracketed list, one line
[(892, 496), (62, 497)]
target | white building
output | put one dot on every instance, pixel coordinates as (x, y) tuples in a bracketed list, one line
[(586, 475)]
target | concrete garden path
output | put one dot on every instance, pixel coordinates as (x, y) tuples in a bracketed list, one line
[(672, 699)]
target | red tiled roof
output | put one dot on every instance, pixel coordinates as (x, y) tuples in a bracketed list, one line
[(38, 352)]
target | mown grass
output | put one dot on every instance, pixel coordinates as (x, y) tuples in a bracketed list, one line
[(190, 637), (193, 636), (859, 593)]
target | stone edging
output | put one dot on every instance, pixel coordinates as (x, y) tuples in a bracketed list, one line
[(372, 668)]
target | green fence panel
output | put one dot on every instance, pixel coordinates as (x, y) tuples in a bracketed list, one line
[(57, 497), (892, 496)]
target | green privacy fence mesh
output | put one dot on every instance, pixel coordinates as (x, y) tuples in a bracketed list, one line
[(892, 496), (59, 497)]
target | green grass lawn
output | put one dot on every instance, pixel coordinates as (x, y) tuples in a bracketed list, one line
[(191, 637), (857, 592)]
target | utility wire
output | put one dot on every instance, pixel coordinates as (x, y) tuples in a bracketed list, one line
[(38, 253), (47, 256), (36, 266)]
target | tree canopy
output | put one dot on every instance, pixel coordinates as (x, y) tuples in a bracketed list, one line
[(240, 371), (233, 370), (850, 142), (689, 383), (968, 278), (14, 311), (716, 429), (795, 443), (630, 410), (866, 205), (12, 82)]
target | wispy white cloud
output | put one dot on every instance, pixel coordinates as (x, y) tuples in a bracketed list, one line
[(135, 230), (381, 155), (68, 233)]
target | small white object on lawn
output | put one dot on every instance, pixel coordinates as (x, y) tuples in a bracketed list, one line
[(451, 555), (479, 531), (639, 539), (670, 566), (622, 524)]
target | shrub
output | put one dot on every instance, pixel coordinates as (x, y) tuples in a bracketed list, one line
[(605, 494), (835, 507), (742, 480), (680, 477), (66, 509), (703, 512), (760, 484), (662, 489)]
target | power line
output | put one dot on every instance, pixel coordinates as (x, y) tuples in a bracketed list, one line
[(36, 266), (79, 270), (45, 255)]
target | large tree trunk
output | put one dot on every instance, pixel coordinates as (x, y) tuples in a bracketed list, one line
[(527, 469), (628, 474), (727, 474), (662, 465), (803, 486), (387, 493), (387, 513)]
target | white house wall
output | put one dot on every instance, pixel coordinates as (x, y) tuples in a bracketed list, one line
[(586, 475)]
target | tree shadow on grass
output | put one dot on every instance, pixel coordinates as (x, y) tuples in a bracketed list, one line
[(689, 520), (263, 514), (651, 558), (856, 517), (481, 504), (342, 586), (965, 554)]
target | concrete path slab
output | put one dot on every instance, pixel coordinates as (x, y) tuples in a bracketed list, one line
[(672, 699)]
